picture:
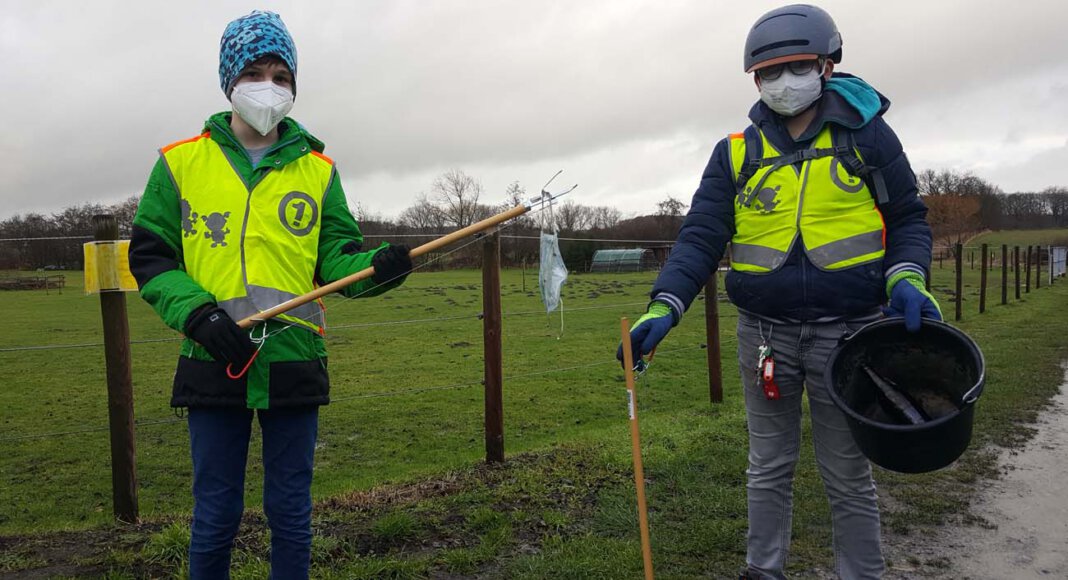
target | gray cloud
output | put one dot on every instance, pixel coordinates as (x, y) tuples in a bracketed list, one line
[(627, 96)]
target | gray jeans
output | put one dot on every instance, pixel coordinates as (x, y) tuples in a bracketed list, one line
[(801, 352)]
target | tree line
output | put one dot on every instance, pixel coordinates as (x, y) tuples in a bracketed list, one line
[(454, 200), (959, 205)]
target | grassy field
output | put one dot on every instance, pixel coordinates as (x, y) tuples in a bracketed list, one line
[(400, 488), (1023, 238)]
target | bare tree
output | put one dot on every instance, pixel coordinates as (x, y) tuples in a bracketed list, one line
[(572, 217), (518, 250), (423, 215), (1057, 202), (456, 194), (515, 195), (604, 217), (952, 217), (124, 213), (670, 207), (931, 182), (669, 214)]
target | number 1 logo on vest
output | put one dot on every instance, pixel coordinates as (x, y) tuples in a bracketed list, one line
[(298, 213)]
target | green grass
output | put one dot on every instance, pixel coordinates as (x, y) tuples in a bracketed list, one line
[(1023, 238), (364, 438), (168, 546), (400, 489)]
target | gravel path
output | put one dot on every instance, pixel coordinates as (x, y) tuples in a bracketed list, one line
[(1025, 534)]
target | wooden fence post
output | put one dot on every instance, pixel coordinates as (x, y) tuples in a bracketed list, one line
[(1016, 268), (715, 372), (982, 281), (971, 259), (1027, 272), (1004, 273), (959, 274), (120, 387), (1049, 256), (491, 335), (1038, 267)]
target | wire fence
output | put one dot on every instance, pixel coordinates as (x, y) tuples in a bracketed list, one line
[(347, 398), (958, 256), (67, 431)]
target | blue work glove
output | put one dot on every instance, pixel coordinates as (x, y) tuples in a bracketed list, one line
[(648, 331), (910, 299)]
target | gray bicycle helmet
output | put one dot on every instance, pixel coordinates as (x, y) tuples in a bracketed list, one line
[(795, 32)]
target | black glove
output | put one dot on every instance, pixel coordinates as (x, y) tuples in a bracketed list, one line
[(391, 263), (224, 340)]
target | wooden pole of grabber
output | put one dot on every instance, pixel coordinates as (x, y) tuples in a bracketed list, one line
[(636, 450), (337, 285)]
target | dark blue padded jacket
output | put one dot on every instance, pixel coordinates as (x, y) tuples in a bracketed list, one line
[(798, 290)]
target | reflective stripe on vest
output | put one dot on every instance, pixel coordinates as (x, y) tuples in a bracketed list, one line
[(814, 200), (252, 246)]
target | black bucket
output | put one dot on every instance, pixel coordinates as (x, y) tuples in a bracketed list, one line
[(939, 368)]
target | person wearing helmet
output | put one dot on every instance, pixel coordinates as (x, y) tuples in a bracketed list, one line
[(820, 207)]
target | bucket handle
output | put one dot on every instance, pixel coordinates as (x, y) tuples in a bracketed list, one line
[(973, 394)]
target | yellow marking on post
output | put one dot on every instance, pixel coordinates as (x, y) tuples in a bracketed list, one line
[(107, 267)]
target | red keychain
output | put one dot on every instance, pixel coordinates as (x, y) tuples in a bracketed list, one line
[(767, 373)]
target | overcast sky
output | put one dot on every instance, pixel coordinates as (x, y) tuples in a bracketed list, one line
[(627, 97)]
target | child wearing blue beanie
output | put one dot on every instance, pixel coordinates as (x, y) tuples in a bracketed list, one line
[(234, 221), (249, 38)]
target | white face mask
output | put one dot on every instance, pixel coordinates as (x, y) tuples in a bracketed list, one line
[(552, 272), (789, 94), (262, 105)]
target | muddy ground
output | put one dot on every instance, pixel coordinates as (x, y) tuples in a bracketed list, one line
[(1021, 529)]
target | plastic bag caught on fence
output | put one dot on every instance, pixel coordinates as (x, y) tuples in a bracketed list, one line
[(553, 273)]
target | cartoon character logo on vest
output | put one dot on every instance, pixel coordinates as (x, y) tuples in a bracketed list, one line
[(766, 198), (189, 219), (217, 229)]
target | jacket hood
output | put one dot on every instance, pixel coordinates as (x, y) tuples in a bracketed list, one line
[(847, 101), (220, 122)]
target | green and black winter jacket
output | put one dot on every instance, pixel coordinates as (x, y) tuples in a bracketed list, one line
[(290, 369)]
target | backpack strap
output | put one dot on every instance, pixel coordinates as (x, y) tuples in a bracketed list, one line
[(754, 161), (847, 156), (844, 148), (754, 154)]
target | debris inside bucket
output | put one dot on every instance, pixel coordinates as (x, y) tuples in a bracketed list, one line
[(895, 405)]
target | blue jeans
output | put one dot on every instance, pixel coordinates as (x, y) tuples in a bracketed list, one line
[(219, 440), (801, 353)]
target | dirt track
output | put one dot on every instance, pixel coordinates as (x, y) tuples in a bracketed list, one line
[(1025, 514)]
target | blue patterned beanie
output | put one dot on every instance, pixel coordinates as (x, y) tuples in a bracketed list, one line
[(249, 38)]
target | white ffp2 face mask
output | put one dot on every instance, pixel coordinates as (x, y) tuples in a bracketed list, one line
[(262, 105), (790, 94)]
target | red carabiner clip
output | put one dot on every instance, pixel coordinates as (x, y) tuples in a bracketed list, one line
[(230, 374)]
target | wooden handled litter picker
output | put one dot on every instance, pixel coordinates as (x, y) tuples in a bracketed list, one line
[(418, 251), (636, 450)]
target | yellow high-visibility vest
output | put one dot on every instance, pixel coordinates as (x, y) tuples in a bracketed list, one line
[(808, 197), (252, 245)]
